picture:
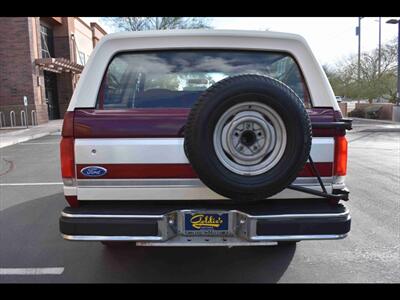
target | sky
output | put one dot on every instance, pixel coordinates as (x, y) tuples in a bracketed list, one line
[(331, 38)]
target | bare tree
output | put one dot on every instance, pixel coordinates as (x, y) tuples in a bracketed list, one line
[(156, 23), (372, 84)]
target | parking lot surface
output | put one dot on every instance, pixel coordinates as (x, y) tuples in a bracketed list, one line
[(32, 250)]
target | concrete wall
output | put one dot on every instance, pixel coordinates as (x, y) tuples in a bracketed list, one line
[(386, 112), (343, 108)]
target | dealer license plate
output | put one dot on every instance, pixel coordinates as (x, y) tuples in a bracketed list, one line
[(204, 223)]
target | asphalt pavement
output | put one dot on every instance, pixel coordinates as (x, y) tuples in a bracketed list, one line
[(31, 200)]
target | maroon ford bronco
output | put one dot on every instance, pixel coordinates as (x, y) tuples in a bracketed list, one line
[(204, 138)]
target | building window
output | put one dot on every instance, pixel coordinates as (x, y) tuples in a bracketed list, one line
[(82, 58), (46, 38)]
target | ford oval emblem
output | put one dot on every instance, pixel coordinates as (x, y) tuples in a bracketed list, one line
[(94, 171)]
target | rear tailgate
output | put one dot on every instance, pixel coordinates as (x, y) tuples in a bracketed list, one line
[(142, 152)]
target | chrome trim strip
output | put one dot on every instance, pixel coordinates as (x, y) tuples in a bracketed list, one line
[(262, 217), (208, 244), (298, 237), (253, 241), (206, 241), (101, 216), (297, 216), (110, 238)]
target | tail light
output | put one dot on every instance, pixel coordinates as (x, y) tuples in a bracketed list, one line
[(340, 164), (67, 148), (67, 155), (67, 158)]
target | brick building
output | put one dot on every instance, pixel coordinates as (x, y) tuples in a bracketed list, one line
[(41, 58)]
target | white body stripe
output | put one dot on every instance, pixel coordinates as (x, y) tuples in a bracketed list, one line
[(130, 151), (172, 193), (184, 192), (167, 189), (70, 190), (322, 149), (161, 150)]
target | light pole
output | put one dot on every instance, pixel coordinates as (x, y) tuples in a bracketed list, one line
[(394, 21), (358, 32), (380, 31)]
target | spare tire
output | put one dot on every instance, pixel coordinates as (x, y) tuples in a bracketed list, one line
[(248, 136)]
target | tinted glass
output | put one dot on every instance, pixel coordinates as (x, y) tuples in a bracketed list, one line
[(177, 78), (46, 38)]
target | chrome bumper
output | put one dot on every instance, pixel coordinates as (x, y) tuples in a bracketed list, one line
[(167, 229)]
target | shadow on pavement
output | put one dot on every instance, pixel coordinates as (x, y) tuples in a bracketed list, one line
[(30, 238)]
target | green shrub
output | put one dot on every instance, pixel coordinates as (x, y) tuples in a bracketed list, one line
[(373, 111), (357, 113)]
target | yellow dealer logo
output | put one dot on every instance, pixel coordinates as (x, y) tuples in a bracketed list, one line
[(205, 221)]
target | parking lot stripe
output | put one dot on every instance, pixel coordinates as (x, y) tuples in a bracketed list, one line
[(31, 271), (43, 143), (30, 183)]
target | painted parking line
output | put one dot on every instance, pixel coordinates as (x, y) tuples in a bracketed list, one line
[(42, 143), (30, 183), (31, 271)]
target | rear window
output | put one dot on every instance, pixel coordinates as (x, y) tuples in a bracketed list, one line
[(175, 79)]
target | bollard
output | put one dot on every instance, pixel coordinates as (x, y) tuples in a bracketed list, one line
[(12, 119), (33, 118), (396, 113), (2, 120), (23, 118)]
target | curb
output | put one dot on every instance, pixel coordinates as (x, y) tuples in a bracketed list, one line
[(26, 138), (378, 130), (375, 121)]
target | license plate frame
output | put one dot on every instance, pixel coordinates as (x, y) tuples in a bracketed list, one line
[(206, 223)]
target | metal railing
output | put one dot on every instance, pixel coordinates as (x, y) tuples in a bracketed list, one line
[(23, 122)]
